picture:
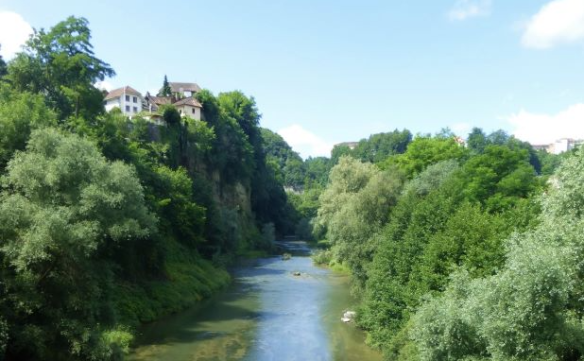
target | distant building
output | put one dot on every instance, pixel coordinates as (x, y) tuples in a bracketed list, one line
[(559, 146), (127, 99), (182, 90), (460, 141), (131, 102), (153, 103), (351, 145), (189, 107), (564, 145)]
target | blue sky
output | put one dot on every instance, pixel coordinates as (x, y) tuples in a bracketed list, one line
[(325, 71)]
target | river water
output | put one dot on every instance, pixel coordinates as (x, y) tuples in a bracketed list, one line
[(267, 314)]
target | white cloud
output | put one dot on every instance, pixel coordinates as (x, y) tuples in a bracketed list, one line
[(104, 85), (560, 21), (466, 9), (547, 128), (305, 142), (14, 32)]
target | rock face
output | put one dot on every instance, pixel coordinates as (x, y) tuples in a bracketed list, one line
[(348, 316)]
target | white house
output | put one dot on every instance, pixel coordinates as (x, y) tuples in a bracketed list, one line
[(129, 100), (189, 107), (564, 145)]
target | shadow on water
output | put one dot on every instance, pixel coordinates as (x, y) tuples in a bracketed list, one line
[(267, 314)]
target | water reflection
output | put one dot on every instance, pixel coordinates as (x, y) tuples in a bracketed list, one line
[(267, 314)]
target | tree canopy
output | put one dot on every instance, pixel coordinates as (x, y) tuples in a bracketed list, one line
[(60, 64)]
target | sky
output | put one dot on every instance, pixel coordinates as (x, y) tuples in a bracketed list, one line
[(329, 71)]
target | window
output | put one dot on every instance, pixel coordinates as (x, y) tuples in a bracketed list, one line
[(135, 99), (127, 98), (128, 108), (194, 110), (135, 109)]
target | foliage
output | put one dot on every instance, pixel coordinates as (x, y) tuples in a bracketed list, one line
[(3, 70), (166, 90), (499, 176), (109, 221), (288, 161), (20, 113), (64, 209), (317, 170), (60, 64), (379, 146), (531, 309), (353, 207), (424, 151)]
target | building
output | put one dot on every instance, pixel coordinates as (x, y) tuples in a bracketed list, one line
[(351, 145), (127, 99), (559, 146), (153, 103), (564, 145), (182, 90), (189, 107), (131, 102)]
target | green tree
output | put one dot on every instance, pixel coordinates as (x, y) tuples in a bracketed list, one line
[(424, 151), (499, 177), (532, 308), (353, 208), (421, 212), (166, 90), (477, 140), (63, 212), (60, 64), (20, 113), (378, 147), (3, 68), (317, 170), (288, 161)]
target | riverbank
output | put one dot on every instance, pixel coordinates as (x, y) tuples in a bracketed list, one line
[(188, 280), (267, 313)]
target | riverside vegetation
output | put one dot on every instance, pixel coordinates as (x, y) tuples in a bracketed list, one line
[(107, 222), (457, 252), (460, 253)]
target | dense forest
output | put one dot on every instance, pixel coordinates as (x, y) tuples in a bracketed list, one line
[(108, 222), (457, 250)]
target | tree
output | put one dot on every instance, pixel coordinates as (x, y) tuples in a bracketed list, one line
[(60, 63), (378, 147), (424, 151), (288, 161), (3, 69), (20, 113), (64, 212), (499, 177), (532, 308), (391, 289), (166, 90), (354, 207), (477, 140)]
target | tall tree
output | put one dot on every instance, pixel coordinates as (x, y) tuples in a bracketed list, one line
[(165, 91), (64, 212), (60, 63), (3, 69)]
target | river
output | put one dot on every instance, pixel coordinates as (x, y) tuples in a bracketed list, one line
[(267, 314)]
